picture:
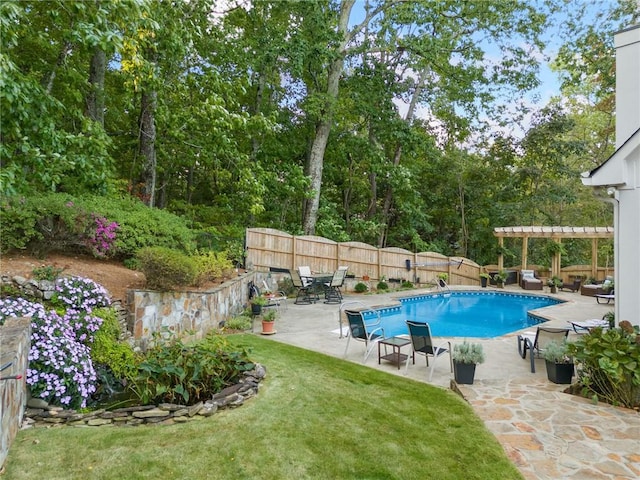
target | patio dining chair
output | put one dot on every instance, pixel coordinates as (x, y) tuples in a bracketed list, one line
[(368, 332), (332, 293), (306, 294), (305, 275), (537, 341), (422, 343)]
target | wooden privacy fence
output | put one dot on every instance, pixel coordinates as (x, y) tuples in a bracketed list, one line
[(267, 248)]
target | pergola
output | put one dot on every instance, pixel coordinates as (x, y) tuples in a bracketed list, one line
[(556, 234)]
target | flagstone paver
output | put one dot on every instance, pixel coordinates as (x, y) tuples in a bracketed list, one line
[(547, 434), (556, 435)]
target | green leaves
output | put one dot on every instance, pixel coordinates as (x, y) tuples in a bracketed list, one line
[(609, 363), (173, 371)]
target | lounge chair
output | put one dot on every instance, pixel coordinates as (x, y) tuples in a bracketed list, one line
[(528, 280), (332, 293), (609, 296), (538, 340), (370, 333), (574, 287), (585, 326), (591, 290), (422, 344)]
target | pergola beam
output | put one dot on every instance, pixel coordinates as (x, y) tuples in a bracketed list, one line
[(553, 232), (556, 234)]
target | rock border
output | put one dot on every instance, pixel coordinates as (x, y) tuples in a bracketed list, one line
[(40, 414)]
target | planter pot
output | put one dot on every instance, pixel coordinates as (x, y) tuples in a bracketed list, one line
[(553, 289), (500, 284), (483, 282), (464, 372), (268, 328), (256, 309), (559, 372), (442, 283)]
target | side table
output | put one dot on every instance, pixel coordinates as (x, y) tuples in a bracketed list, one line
[(396, 344)]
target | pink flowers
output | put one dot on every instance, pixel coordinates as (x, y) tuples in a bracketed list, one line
[(102, 238)]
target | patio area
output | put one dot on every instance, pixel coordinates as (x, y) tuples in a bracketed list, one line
[(547, 434)]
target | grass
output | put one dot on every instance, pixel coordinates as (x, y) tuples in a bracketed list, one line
[(315, 417)]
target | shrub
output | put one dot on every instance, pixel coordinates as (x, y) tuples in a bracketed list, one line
[(178, 373), (609, 364), (286, 285), (18, 224), (360, 287), (211, 265), (99, 225), (406, 284), (46, 272), (165, 268), (108, 350), (382, 286), (141, 226), (241, 322), (55, 222)]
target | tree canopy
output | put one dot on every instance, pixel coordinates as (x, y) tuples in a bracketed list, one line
[(377, 121)]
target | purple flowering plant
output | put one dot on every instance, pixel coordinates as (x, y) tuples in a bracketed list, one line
[(60, 367), (80, 293), (102, 235)]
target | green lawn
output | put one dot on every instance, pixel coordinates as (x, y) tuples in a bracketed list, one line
[(315, 417)]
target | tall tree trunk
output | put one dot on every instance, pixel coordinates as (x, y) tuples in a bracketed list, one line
[(148, 145), (62, 57), (323, 128), (388, 198), (464, 232), (95, 97)]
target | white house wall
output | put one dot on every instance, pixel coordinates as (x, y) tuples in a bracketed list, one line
[(627, 43), (627, 271)]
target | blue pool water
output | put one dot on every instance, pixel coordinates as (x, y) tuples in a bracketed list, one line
[(465, 314)]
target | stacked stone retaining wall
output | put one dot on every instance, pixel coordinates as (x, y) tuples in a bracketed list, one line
[(15, 342)]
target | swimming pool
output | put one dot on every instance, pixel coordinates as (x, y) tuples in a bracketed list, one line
[(465, 314)]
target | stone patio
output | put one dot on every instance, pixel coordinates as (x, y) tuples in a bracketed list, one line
[(547, 434)]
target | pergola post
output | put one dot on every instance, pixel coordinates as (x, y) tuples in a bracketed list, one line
[(500, 254), (525, 250), (556, 260), (594, 257)]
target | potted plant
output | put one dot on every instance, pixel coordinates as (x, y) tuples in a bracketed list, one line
[(484, 279), (442, 279), (553, 283), (269, 322), (500, 277), (257, 303), (465, 358), (559, 363)]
